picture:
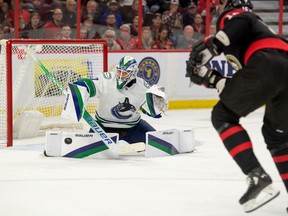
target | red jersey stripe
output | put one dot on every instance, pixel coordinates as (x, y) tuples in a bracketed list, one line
[(274, 43)]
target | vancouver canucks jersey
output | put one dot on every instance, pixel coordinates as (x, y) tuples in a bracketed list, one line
[(118, 108)]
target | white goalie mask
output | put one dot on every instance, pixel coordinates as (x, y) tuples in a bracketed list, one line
[(126, 71)]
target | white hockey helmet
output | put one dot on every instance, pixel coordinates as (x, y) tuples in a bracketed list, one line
[(126, 71)]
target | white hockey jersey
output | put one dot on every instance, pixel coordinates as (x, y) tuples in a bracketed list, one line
[(118, 108)]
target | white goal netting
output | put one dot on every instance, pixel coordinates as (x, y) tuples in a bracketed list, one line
[(26, 87)]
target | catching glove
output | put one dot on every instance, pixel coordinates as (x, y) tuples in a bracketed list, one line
[(156, 102)]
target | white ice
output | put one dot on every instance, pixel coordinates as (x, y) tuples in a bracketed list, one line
[(203, 183)]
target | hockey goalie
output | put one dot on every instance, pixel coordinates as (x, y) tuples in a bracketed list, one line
[(122, 96)]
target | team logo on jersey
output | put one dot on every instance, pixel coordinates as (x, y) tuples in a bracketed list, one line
[(234, 62), (123, 110), (149, 70)]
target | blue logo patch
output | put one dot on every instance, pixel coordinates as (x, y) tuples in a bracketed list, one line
[(149, 70)]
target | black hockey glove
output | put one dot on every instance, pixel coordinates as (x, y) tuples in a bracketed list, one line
[(203, 76), (202, 52)]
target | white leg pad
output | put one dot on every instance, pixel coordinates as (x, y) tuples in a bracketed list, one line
[(169, 142), (79, 145), (187, 140)]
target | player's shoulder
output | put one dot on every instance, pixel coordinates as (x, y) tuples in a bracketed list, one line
[(141, 82), (228, 15)]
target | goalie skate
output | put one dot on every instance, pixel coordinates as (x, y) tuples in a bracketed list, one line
[(260, 190)]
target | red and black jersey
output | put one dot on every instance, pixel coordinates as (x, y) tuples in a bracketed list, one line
[(247, 34)]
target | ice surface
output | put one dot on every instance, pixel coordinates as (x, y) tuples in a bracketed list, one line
[(206, 182)]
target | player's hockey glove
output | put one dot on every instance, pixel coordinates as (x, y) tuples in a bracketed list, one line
[(203, 76), (202, 52), (156, 102)]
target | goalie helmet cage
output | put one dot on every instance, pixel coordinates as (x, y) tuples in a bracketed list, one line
[(24, 85)]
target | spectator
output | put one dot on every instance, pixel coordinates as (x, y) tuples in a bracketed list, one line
[(189, 14), (125, 40), (110, 24), (147, 39), (52, 29), (33, 28), (186, 40), (22, 13), (92, 8), (218, 11), (2, 13), (69, 13), (153, 6), (113, 7), (134, 26), (88, 24), (172, 17), (83, 33), (198, 26), (213, 28), (164, 5), (156, 24), (40, 6), (23, 20), (66, 32), (5, 9), (202, 7), (110, 38), (129, 12), (163, 41), (102, 5)]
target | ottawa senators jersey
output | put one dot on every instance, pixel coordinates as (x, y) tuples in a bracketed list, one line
[(247, 33)]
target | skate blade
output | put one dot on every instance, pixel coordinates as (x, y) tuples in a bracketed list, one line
[(265, 196)]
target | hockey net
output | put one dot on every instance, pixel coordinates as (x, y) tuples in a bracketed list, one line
[(26, 92)]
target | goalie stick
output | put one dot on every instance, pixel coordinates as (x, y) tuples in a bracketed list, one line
[(86, 115)]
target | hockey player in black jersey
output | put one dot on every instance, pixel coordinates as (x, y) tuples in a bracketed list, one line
[(260, 58)]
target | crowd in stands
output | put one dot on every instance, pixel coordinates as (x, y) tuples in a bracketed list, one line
[(166, 24)]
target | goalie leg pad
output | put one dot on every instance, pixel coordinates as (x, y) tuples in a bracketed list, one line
[(169, 142), (79, 145)]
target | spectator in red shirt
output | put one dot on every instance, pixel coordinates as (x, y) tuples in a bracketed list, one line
[(52, 29), (125, 40), (163, 41)]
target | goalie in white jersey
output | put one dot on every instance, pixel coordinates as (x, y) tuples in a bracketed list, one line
[(121, 96)]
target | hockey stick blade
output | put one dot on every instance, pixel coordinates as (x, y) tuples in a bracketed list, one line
[(132, 148)]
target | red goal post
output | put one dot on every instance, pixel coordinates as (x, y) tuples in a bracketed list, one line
[(25, 87)]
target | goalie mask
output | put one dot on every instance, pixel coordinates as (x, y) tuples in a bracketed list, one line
[(241, 4), (126, 71)]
